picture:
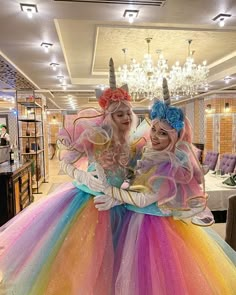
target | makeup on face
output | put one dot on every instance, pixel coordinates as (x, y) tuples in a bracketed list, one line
[(159, 137), (122, 117)]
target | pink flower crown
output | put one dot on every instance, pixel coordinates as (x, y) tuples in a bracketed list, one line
[(110, 96)]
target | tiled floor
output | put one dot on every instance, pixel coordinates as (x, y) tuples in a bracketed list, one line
[(54, 178), (57, 178), (220, 229)]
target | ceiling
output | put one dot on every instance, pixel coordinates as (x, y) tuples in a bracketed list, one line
[(85, 34)]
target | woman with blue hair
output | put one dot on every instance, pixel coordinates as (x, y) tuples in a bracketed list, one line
[(160, 251)]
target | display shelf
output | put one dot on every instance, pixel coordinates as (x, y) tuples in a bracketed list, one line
[(38, 136), (30, 134), (33, 153), (29, 120), (30, 104), (37, 183)]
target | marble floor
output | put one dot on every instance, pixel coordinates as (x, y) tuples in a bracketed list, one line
[(57, 177), (220, 229)]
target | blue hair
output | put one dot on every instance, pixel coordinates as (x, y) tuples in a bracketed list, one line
[(172, 115)]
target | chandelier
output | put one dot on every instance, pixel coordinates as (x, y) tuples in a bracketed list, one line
[(145, 79)]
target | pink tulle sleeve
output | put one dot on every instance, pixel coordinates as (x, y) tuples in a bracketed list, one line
[(175, 185), (78, 143)]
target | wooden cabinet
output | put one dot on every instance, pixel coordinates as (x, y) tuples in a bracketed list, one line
[(16, 189)]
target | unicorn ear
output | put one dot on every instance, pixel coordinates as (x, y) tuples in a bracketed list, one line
[(166, 94), (125, 87), (98, 92), (112, 76)]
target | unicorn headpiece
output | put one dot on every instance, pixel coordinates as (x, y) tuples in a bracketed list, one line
[(162, 110), (112, 94)]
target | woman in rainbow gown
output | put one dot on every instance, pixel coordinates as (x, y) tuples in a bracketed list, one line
[(62, 244), (159, 250)]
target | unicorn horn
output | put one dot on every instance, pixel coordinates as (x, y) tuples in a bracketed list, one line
[(166, 94), (112, 76)]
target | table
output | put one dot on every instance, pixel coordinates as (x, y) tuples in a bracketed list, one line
[(217, 194)]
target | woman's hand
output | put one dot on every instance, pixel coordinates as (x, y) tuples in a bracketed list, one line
[(105, 202), (83, 177)]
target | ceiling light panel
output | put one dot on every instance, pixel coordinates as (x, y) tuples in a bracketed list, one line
[(54, 65), (46, 46), (221, 15), (130, 15), (220, 18), (30, 9)]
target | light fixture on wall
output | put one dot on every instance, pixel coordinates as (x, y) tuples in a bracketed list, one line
[(145, 79), (46, 46), (131, 15), (54, 120), (208, 108), (221, 18), (227, 107), (30, 9)]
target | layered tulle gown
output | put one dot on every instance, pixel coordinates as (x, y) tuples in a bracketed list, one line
[(63, 245), (60, 245), (160, 251)]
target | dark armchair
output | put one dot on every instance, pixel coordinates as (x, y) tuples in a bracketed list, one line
[(211, 159), (227, 163)]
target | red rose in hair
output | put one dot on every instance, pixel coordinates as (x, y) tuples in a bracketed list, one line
[(110, 95)]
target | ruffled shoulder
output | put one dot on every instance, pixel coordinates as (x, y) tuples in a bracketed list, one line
[(85, 138), (174, 180)]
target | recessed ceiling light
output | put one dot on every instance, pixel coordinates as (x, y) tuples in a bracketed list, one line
[(64, 86), (30, 9), (46, 46), (54, 65), (222, 22), (60, 78), (206, 87), (227, 79), (131, 15), (221, 18)]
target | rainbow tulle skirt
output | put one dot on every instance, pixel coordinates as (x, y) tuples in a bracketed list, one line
[(62, 245)]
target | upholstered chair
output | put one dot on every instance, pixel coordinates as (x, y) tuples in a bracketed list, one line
[(230, 237), (211, 159), (198, 154), (227, 163)]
